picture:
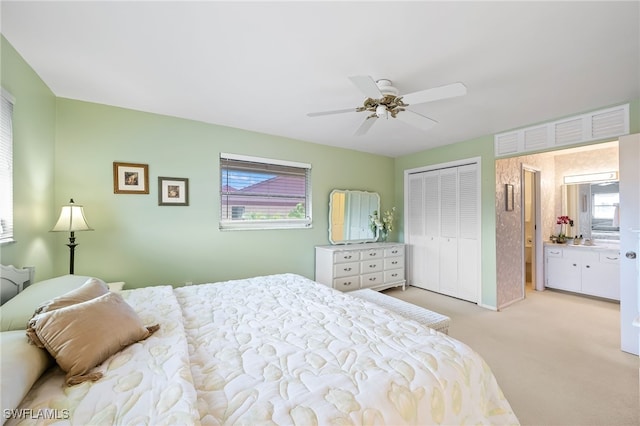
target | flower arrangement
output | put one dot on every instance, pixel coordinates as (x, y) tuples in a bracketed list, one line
[(562, 235), (384, 224)]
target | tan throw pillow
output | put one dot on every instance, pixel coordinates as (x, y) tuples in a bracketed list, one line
[(83, 335), (91, 289)]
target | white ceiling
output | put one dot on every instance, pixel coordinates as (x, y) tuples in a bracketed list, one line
[(263, 65)]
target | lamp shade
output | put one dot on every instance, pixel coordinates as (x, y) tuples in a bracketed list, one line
[(72, 219)]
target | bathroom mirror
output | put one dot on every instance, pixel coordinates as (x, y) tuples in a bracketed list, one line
[(594, 208), (349, 213)]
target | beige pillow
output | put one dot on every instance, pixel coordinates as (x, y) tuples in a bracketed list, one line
[(91, 289), (83, 335)]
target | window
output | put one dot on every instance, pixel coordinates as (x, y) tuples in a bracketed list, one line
[(260, 193), (6, 167)]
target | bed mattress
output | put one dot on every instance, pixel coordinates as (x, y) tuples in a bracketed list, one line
[(278, 349)]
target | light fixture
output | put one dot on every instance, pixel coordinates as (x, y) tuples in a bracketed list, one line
[(71, 220), (591, 177), (381, 111)]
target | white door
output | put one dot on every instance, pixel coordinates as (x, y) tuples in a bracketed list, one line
[(443, 229), (629, 150), (449, 231), (415, 236), (468, 232)]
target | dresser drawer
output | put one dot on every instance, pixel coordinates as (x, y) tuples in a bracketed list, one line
[(394, 251), (610, 257), (368, 266), (347, 283), (393, 262), (345, 256), (554, 252), (346, 269), (371, 280), (371, 254), (394, 275)]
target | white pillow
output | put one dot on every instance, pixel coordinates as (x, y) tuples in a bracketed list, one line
[(22, 364)]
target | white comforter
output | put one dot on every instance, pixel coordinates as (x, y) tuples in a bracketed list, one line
[(285, 350), (147, 383), (282, 350)]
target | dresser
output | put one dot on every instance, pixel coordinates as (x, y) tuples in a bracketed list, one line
[(591, 270), (356, 266)]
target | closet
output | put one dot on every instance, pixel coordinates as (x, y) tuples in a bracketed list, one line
[(443, 229)]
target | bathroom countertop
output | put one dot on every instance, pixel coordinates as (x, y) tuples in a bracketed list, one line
[(595, 246)]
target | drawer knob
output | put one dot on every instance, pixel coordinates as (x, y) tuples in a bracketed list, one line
[(372, 279), (347, 269), (630, 255)]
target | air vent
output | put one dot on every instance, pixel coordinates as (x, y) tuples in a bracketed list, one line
[(536, 138), (506, 143), (568, 132), (608, 123)]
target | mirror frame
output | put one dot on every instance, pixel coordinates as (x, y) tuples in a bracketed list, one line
[(348, 192)]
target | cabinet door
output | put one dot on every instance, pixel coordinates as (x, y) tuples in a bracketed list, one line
[(600, 278), (564, 272)]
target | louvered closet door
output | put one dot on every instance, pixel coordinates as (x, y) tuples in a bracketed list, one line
[(431, 187), (449, 231), (468, 233), (416, 251), (444, 231)]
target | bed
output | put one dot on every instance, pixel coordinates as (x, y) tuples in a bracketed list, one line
[(278, 349)]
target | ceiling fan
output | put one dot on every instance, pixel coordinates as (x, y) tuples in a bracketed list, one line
[(383, 101)]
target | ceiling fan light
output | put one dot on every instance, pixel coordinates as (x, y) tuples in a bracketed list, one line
[(381, 111)]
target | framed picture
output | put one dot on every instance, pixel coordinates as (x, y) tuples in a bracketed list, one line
[(130, 178), (173, 191), (508, 189)]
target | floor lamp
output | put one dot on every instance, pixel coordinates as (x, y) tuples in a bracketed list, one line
[(71, 220)]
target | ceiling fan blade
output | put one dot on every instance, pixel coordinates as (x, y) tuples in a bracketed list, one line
[(436, 93), (416, 120), (365, 126), (338, 111), (367, 86)]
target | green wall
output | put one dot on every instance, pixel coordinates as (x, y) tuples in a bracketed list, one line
[(139, 242), (33, 165), (480, 147)]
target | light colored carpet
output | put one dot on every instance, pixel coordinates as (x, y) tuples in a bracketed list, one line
[(556, 355)]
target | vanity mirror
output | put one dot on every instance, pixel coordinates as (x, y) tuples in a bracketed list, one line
[(349, 213), (594, 208)]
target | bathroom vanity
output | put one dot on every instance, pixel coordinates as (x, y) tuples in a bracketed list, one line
[(592, 270)]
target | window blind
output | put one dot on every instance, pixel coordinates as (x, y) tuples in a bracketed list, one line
[(6, 166), (263, 193)]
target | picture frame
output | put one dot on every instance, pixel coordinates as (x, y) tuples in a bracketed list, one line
[(508, 189), (130, 178), (173, 191)]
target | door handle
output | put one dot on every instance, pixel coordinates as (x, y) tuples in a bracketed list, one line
[(630, 255)]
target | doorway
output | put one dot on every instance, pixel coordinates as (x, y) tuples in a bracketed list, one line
[(531, 228)]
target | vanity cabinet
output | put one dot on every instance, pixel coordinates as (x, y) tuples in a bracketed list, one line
[(355, 266), (582, 269)]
